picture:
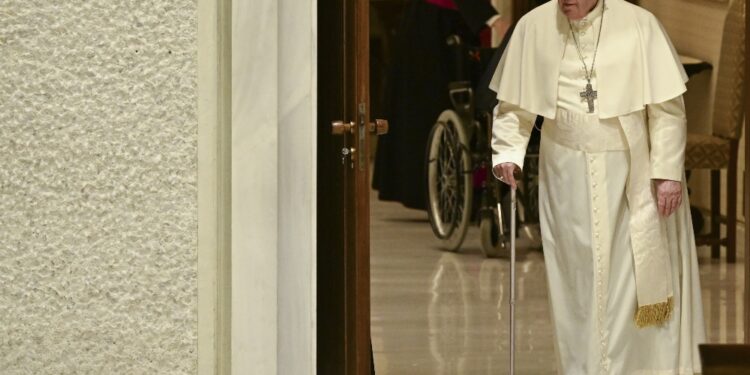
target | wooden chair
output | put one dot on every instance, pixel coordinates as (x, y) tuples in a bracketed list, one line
[(719, 150)]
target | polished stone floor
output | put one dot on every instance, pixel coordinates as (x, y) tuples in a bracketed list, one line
[(439, 313)]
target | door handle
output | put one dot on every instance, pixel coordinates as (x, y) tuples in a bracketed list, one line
[(379, 127), (341, 127)]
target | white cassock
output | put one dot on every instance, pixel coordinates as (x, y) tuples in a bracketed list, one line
[(593, 203)]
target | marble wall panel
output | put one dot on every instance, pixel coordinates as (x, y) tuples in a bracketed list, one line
[(255, 195), (297, 185), (273, 182)]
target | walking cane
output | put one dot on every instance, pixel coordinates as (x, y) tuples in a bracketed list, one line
[(512, 275)]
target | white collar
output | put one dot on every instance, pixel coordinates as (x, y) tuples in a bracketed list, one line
[(589, 19)]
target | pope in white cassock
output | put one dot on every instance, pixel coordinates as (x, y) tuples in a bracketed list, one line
[(618, 241)]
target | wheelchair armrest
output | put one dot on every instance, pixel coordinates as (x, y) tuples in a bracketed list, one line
[(461, 95)]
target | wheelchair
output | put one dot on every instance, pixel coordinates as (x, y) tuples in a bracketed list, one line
[(462, 190)]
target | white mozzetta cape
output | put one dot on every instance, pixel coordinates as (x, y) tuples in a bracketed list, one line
[(636, 66), (633, 63)]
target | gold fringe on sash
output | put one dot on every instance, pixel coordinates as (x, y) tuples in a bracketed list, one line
[(654, 315)]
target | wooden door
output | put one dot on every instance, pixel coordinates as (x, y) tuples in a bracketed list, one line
[(746, 189), (343, 246)]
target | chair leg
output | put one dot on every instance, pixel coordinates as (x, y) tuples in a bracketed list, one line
[(715, 212), (732, 205)]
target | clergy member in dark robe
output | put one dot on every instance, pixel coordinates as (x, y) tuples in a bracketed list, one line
[(417, 88)]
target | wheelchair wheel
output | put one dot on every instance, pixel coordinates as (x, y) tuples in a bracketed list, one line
[(495, 239), (449, 180)]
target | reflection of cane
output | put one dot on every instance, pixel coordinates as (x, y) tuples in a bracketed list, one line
[(512, 235)]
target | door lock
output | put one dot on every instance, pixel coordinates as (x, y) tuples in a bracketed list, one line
[(378, 127), (347, 152)]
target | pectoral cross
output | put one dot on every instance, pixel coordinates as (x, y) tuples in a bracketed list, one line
[(589, 94)]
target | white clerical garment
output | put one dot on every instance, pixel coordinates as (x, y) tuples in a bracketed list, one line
[(624, 287)]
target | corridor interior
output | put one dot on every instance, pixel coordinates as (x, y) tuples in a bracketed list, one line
[(441, 313)]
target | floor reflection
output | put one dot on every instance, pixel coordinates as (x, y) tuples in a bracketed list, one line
[(447, 313), (722, 290)]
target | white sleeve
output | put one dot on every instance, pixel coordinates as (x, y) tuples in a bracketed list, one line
[(511, 130), (667, 128)]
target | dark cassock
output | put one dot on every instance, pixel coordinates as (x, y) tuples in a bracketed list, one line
[(618, 243), (417, 90)]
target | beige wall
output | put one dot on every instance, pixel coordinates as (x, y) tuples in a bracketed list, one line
[(695, 27), (98, 187)]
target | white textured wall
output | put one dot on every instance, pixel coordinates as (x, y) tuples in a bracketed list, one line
[(98, 212)]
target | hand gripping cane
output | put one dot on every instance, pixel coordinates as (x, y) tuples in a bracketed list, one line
[(512, 275)]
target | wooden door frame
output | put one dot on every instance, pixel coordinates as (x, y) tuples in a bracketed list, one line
[(343, 216), (361, 263), (746, 189)]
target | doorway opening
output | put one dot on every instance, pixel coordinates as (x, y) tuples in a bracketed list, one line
[(381, 273)]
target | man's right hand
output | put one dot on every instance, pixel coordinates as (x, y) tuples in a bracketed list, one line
[(507, 172)]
